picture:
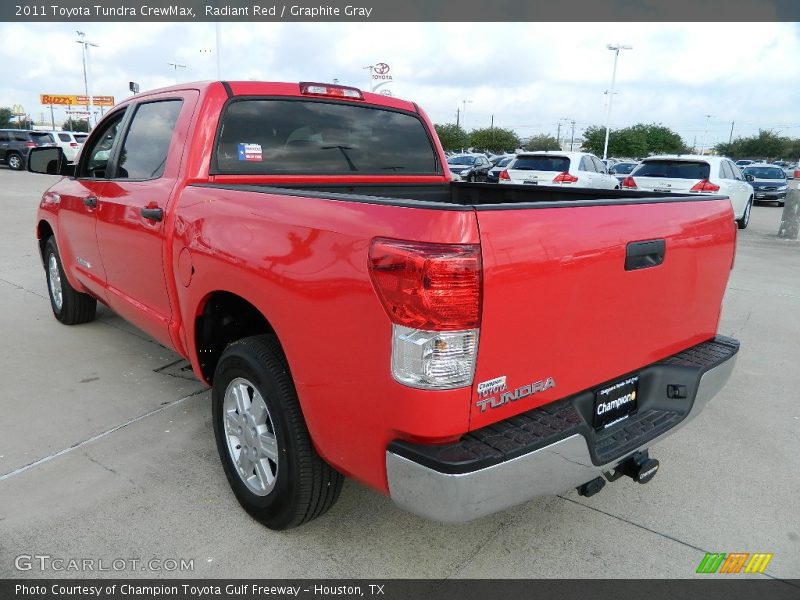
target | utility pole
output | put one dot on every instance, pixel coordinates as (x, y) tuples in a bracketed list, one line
[(464, 112), (572, 137), (730, 137), (558, 134), (705, 136), (458, 117), (89, 100), (176, 66), (492, 125)]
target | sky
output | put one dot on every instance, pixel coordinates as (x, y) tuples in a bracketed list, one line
[(528, 76)]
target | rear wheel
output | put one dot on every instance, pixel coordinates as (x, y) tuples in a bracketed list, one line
[(14, 161), (262, 438), (742, 223), (70, 306)]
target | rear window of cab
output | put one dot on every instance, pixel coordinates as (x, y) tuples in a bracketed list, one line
[(275, 136)]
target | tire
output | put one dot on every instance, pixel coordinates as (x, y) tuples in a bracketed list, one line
[(70, 306), (282, 482), (471, 178), (742, 223), (15, 162)]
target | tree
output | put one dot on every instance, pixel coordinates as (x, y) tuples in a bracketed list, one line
[(452, 136), (766, 145), (636, 141), (6, 118), (542, 142), (75, 125), (494, 139)]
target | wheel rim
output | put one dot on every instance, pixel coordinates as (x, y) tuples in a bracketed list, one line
[(250, 434), (54, 279), (13, 162)]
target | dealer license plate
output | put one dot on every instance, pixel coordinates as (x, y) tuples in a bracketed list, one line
[(616, 402)]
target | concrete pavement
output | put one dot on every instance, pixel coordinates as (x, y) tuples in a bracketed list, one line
[(107, 452)]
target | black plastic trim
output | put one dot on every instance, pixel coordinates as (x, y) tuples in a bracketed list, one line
[(546, 425), (228, 89)]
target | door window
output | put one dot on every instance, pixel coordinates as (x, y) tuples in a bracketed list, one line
[(598, 165), (144, 152), (98, 154)]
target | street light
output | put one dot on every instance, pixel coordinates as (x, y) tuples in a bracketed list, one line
[(176, 66), (464, 111), (615, 48), (89, 100), (370, 67), (705, 135)]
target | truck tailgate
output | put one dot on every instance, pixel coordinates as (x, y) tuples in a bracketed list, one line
[(563, 313)]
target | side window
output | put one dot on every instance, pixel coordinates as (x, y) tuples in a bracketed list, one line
[(20, 136), (98, 153), (144, 152), (725, 171), (598, 165), (587, 164), (737, 174), (64, 137)]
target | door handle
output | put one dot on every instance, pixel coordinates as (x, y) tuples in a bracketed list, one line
[(90, 201), (154, 214), (643, 255)]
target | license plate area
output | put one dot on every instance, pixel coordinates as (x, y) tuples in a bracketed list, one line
[(616, 402)]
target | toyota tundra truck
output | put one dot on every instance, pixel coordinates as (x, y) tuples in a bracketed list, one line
[(459, 347)]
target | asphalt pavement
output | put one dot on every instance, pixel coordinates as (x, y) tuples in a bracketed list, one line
[(107, 453)]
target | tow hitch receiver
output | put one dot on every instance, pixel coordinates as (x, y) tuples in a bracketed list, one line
[(639, 467)]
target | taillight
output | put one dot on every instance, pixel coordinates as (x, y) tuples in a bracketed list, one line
[(628, 183), (704, 186), (432, 295), (797, 172), (30, 145), (565, 177), (327, 89), (504, 175), (73, 144)]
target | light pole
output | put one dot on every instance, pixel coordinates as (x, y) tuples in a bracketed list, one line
[(176, 66), (567, 120), (705, 135), (89, 100), (370, 67), (616, 48), (464, 111)]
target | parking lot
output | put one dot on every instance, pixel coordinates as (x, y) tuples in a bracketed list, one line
[(107, 452)]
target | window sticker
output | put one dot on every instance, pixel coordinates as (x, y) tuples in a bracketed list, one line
[(250, 152)]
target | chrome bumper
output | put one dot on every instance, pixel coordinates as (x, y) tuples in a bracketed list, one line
[(553, 469)]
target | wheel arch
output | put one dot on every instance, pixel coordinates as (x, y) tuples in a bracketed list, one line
[(44, 231), (223, 317)]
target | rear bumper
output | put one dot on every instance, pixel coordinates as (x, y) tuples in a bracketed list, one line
[(551, 449)]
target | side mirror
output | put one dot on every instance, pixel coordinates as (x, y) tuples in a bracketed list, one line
[(49, 161), (749, 178)]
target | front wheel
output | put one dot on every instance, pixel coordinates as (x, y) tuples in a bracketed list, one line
[(262, 438), (70, 306), (742, 223)]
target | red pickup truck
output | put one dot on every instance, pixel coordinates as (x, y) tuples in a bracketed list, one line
[(460, 347)]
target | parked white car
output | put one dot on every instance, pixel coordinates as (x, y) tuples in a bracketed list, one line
[(574, 169), (690, 174), (70, 142)]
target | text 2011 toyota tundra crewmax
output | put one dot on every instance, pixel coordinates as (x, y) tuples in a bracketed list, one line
[(460, 347)]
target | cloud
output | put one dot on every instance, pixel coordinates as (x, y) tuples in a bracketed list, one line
[(526, 75)]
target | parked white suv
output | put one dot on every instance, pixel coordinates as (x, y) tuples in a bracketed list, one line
[(690, 174), (574, 169), (70, 142)]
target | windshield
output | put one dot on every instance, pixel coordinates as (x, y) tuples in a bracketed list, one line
[(765, 172), (461, 160), (673, 169), (623, 168), (266, 137), (541, 163)]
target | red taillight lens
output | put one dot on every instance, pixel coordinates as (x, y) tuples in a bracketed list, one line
[(628, 183), (30, 145), (565, 177), (704, 186), (504, 175), (797, 173), (73, 144), (326, 89), (435, 287)]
